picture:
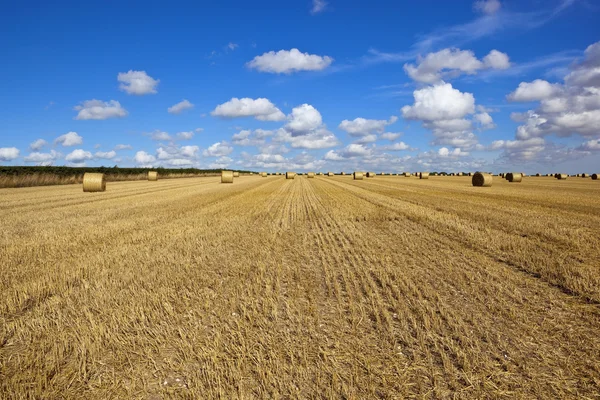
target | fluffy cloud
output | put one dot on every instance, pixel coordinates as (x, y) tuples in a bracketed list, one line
[(105, 155), (439, 102), (591, 145), (185, 135), (144, 159), (564, 109), (137, 82), (350, 151), (488, 7), (43, 159), (449, 63), (400, 146), (457, 152), (303, 119), (261, 109), (275, 161), (218, 149), (251, 138), (78, 156), (9, 153), (180, 107), (37, 144), (123, 147), (99, 110), (391, 136), (288, 61), (69, 139), (534, 91), (317, 139), (160, 136), (363, 127)]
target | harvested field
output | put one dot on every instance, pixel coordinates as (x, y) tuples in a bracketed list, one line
[(301, 288)]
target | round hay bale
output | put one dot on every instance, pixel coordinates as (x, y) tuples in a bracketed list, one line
[(358, 176), (251, 173), (561, 176), (423, 175), (460, 174), (226, 176), (343, 174), (370, 174), (594, 177), (263, 174), (290, 175), (579, 175), (584, 176), (152, 175), (407, 174), (330, 174), (482, 179), (537, 174), (94, 182), (311, 174), (514, 177), (236, 174), (470, 174)]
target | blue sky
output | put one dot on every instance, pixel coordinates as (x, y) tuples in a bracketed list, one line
[(303, 85)]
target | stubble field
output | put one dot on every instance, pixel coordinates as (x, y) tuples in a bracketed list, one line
[(389, 287)]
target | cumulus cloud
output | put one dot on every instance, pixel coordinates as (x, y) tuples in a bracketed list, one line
[(180, 107), (99, 110), (591, 145), (144, 159), (69, 139), (276, 161), (137, 82), (288, 61), (78, 156), (439, 102), (363, 127), (319, 138), (9, 153), (457, 152), (123, 147), (105, 155), (304, 118), (391, 136), (185, 135), (37, 144), (399, 146), (488, 7), (218, 149), (261, 109), (42, 159), (160, 136), (251, 138), (537, 90), (450, 63)]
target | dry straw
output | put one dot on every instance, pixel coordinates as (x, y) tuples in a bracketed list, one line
[(561, 176), (94, 182), (263, 174), (594, 177), (343, 173), (290, 175), (482, 179), (407, 174), (152, 175), (236, 174), (226, 176), (358, 176), (330, 174), (423, 175), (311, 174), (514, 177)]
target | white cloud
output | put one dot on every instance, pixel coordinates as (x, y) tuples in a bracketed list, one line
[(484, 120), (457, 152), (99, 110), (370, 138), (537, 90), (304, 118), (123, 147), (160, 135), (439, 102), (69, 139), (198, 130), (488, 7), (180, 107), (363, 127), (144, 159), (137, 82), (250, 138), (218, 149), (591, 145), (587, 73), (450, 63), (106, 155), (391, 136), (9, 153), (319, 138), (288, 61), (43, 159), (496, 60), (232, 46), (78, 156), (261, 109), (37, 144), (400, 146), (185, 135)]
